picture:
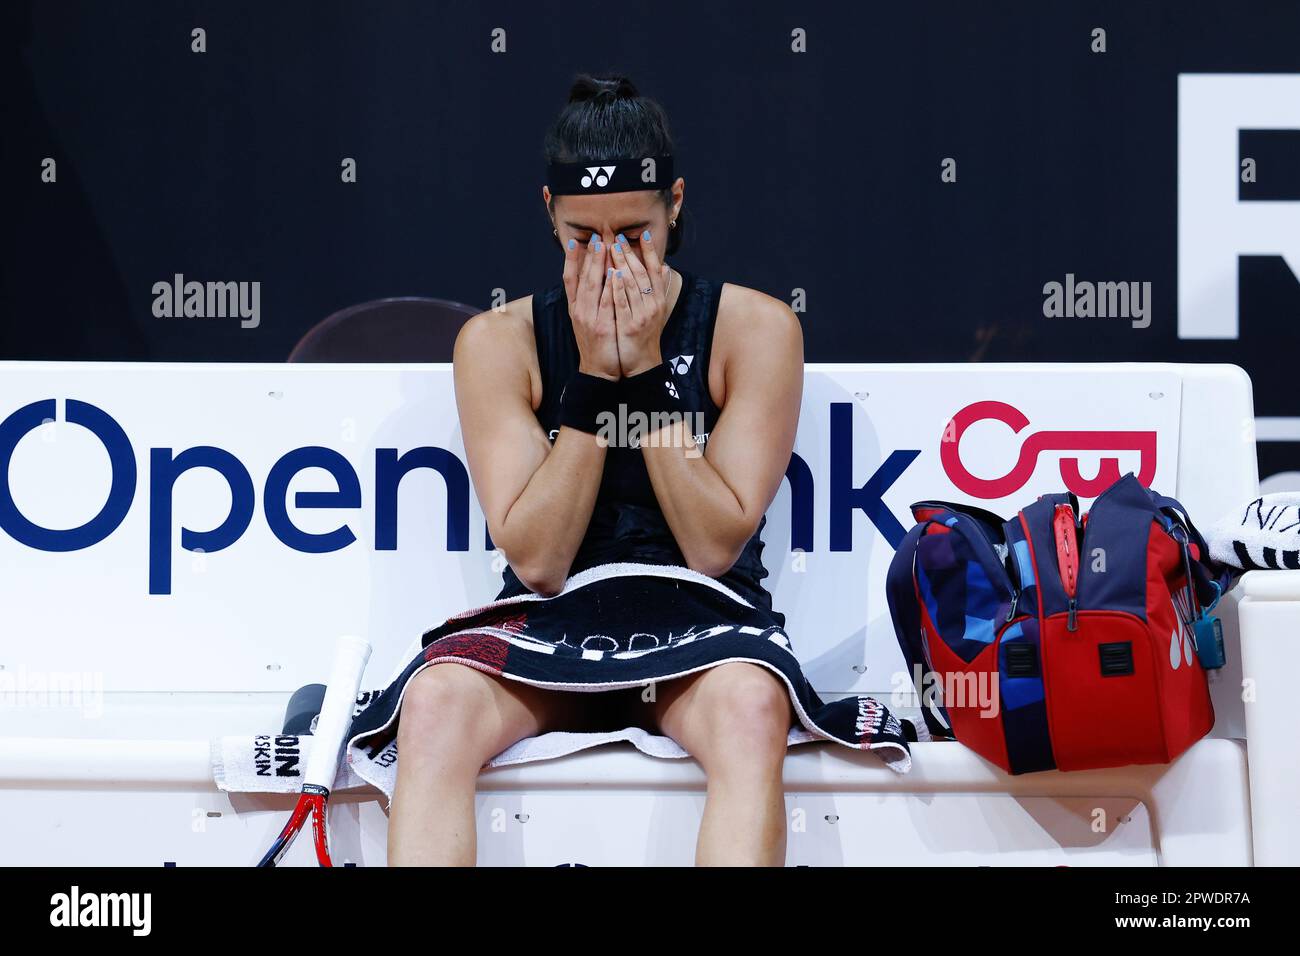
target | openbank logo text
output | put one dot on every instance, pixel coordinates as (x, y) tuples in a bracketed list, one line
[(166, 465)]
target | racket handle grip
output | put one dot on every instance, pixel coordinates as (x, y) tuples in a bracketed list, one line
[(350, 657)]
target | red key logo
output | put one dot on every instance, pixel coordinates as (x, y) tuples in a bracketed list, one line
[(1143, 442)]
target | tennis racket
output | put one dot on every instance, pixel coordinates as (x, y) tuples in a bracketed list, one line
[(350, 656)]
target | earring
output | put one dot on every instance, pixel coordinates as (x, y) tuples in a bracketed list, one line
[(672, 223), (555, 233)]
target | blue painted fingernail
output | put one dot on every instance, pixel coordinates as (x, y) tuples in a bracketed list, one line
[(622, 239), (619, 273), (595, 244), (646, 235), (572, 243)]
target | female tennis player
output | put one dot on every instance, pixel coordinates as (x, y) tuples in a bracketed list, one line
[(625, 431)]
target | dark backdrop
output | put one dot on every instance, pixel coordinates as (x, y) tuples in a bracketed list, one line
[(816, 171)]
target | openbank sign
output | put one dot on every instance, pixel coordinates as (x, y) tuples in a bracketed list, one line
[(166, 466)]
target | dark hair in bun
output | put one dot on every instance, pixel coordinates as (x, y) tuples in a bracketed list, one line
[(606, 118), (605, 89)]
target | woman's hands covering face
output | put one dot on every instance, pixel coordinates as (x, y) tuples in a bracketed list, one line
[(640, 303), (591, 307), (618, 305)]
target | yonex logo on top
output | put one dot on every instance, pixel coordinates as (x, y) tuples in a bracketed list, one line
[(600, 175)]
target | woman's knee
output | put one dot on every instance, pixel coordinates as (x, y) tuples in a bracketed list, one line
[(746, 705), (446, 703)]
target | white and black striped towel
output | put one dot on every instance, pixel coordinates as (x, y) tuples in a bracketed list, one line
[(1264, 535)]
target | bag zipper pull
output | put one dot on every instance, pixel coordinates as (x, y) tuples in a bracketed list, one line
[(1065, 525), (1072, 620), (1015, 599)]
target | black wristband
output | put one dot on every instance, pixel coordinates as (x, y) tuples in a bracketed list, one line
[(585, 399), (652, 391)]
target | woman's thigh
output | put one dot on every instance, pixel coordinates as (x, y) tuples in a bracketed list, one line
[(452, 708), (739, 701), (497, 712)]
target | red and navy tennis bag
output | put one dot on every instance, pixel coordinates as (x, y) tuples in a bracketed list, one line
[(1057, 639)]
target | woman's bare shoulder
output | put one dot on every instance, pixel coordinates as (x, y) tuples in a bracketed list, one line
[(750, 322), (500, 341), (746, 314), (495, 327)]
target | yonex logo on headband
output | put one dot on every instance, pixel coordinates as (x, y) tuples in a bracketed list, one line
[(600, 175), (619, 176)]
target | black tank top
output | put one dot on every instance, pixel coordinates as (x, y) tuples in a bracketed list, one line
[(626, 523)]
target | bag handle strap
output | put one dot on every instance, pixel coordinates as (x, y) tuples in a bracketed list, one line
[(900, 592), (1213, 578)]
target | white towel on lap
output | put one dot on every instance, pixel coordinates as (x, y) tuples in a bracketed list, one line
[(274, 764)]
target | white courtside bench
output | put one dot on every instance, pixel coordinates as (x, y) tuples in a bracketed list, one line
[(126, 650)]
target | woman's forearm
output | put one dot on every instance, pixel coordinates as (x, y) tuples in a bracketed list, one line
[(708, 520), (543, 528)]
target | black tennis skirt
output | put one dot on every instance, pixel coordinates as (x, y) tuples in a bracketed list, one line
[(617, 627)]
